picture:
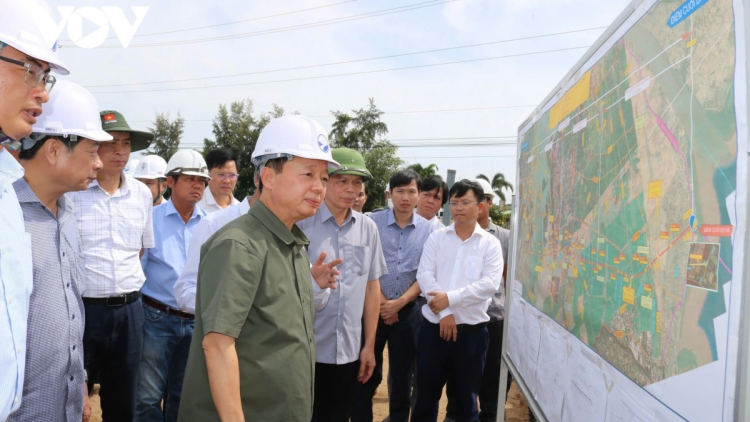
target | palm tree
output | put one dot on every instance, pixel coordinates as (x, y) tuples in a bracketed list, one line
[(425, 172), (498, 183)]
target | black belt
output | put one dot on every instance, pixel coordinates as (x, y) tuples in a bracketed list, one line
[(119, 300), (166, 309), (467, 328)]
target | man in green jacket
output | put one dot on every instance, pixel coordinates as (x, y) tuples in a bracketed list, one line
[(253, 353)]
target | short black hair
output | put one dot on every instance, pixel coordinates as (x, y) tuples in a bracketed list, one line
[(461, 187), (29, 154), (432, 183), (218, 157), (404, 178)]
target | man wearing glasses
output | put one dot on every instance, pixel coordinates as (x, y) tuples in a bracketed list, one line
[(460, 271), (25, 82), (222, 165)]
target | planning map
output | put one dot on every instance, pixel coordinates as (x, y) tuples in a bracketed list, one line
[(624, 232)]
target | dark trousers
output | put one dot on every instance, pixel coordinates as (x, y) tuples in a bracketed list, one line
[(490, 387), (401, 339), (112, 348), (334, 391), (458, 363)]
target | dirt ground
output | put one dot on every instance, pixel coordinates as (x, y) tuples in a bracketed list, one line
[(516, 409)]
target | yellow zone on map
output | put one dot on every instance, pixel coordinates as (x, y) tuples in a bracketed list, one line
[(647, 302), (654, 189), (572, 99), (628, 295), (658, 322)]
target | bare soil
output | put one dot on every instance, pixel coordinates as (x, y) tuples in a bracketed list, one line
[(516, 409)]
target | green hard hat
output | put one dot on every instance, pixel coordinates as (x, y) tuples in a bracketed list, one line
[(351, 163), (113, 121)]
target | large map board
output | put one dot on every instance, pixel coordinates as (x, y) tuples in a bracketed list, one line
[(630, 222)]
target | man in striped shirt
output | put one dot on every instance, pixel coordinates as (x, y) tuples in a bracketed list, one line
[(114, 217)]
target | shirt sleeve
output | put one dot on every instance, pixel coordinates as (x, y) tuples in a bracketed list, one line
[(489, 281), (320, 296), (378, 266), (230, 275), (427, 273), (148, 231), (184, 288)]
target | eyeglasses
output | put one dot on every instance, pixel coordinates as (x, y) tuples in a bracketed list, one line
[(225, 176), (462, 204), (34, 74)]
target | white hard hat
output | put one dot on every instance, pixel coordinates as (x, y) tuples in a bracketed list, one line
[(486, 187), (293, 136), (71, 112), (151, 167), (131, 166), (21, 28), (188, 162)]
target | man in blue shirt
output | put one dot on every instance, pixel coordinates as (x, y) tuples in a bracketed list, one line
[(25, 82), (167, 330), (402, 234)]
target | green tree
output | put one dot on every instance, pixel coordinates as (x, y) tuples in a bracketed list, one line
[(498, 184), (236, 127), (495, 214), (425, 172), (360, 131), (167, 135), (363, 131)]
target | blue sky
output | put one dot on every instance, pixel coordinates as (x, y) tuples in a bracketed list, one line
[(511, 81)]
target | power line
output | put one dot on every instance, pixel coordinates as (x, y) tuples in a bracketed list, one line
[(349, 61), (350, 18), (237, 22), (343, 74), (445, 110)]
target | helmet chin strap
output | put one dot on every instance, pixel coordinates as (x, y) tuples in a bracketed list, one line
[(161, 194)]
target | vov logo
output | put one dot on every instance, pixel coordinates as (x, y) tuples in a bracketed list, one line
[(73, 17)]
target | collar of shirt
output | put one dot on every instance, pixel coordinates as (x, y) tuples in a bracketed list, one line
[(244, 205), (392, 219), (325, 215), (478, 231), (27, 195), (121, 191), (208, 198), (274, 224), (491, 227), (10, 170), (170, 209)]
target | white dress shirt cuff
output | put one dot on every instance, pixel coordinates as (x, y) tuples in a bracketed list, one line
[(445, 312), (454, 297), (320, 297)]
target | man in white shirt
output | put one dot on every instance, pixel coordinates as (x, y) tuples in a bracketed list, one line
[(222, 164), (184, 288), (460, 270), (114, 217), (434, 195)]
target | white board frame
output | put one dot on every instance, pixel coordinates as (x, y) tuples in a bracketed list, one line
[(742, 387)]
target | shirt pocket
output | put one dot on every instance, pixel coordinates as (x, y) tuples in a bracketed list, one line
[(361, 258), (473, 268), (129, 227)]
